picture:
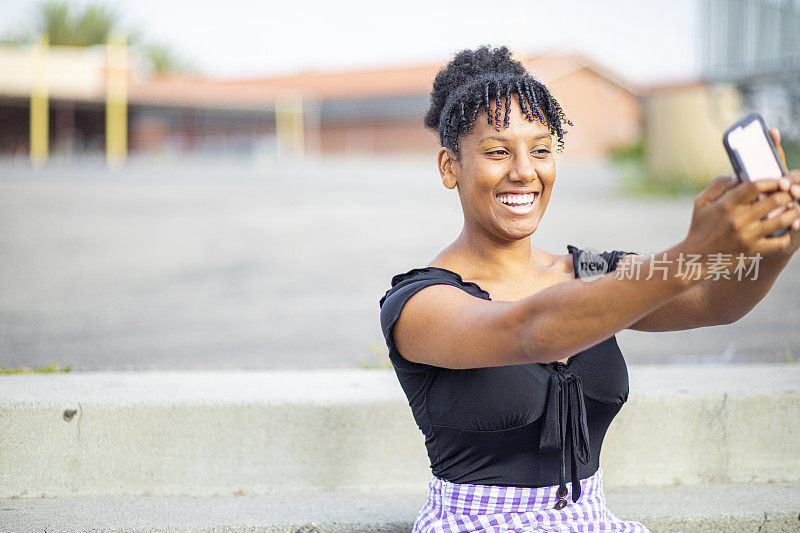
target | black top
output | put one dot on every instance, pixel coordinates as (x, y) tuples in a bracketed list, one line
[(513, 425)]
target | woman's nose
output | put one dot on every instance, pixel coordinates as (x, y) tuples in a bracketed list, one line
[(524, 170)]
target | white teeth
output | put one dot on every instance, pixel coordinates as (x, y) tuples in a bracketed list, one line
[(516, 198)]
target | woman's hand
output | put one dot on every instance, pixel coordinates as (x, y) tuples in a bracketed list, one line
[(736, 222), (794, 188), (730, 217)]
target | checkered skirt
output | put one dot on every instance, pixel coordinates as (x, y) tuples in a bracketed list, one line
[(457, 507)]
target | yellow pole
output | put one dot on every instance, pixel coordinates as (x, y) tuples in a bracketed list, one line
[(116, 100), (289, 131), (39, 120), (299, 131)]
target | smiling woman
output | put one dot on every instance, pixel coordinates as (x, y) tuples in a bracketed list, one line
[(492, 427), (507, 355), (513, 173)]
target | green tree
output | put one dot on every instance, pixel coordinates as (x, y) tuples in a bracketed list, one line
[(88, 27), (162, 59)]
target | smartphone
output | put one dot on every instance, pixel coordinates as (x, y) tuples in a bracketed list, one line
[(753, 155)]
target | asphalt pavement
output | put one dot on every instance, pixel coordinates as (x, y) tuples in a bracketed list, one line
[(223, 264)]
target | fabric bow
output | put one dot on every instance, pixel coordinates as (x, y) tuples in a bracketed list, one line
[(565, 400)]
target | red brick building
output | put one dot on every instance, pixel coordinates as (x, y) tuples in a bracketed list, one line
[(374, 111)]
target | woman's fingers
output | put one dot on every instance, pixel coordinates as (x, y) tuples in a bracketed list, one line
[(776, 139), (794, 178), (714, 191), (769, 245), (784, 220), (730, 216), (748, 191), (764, 206)]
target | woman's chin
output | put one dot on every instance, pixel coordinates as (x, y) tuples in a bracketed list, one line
[(520, 230)]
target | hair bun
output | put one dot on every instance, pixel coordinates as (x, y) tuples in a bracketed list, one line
[(465, 65), (475, 80)]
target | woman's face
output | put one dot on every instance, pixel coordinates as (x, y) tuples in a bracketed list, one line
[(504, 178)]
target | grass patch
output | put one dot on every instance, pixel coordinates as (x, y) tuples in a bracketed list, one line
[(49, 369), (633, 178), (379, 359), (788, 357), (792, 152)]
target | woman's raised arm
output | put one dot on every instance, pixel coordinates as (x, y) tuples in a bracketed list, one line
[(444, 326)]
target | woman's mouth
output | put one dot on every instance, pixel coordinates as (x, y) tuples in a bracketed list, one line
[(521, 204)]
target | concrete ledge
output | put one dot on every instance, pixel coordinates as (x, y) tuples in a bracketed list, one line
[(295, 432), (727, 507)]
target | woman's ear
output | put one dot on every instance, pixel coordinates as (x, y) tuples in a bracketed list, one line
[(447, 164)]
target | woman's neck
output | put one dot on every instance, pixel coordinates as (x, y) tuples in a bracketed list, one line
[(488, 258)]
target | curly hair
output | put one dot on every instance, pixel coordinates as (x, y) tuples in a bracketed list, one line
[(469, 82)]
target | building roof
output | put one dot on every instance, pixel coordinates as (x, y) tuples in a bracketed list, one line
[(197, 91), (176, 91), (417, 79)]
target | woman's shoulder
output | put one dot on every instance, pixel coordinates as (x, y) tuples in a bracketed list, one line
[(431, 275), (404, 286)]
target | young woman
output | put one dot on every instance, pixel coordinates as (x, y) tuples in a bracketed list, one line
[(510, 361)]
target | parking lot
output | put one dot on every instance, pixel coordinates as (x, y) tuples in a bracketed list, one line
[(226, 265)]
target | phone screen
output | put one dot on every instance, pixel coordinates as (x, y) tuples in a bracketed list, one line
[(754, 151), (748, 143)]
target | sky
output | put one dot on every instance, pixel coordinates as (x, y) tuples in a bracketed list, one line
[(645, 42)]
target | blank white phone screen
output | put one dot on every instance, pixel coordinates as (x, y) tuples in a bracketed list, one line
[(754, 151)]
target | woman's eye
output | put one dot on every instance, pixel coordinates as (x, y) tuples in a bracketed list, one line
[(541, 151)]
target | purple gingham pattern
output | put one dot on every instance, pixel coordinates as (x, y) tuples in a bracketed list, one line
[(459, 507)]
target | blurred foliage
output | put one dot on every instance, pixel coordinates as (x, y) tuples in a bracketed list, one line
[(65, 27), (792, 151), (788, 357), (49, 369), (380, 358), (90, 26), (643, 183), (16, 37), (630, 161), (633, 178), (86, 28), (629, 153), (162, 59)]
